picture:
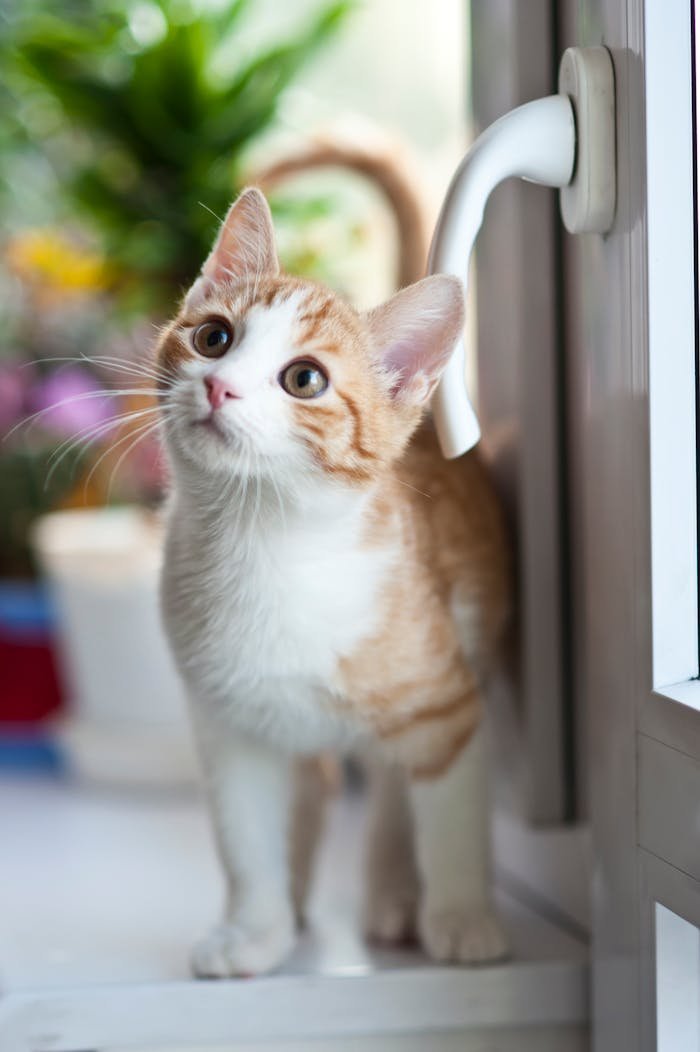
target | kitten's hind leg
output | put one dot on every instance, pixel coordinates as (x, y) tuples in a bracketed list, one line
[(392, 880), (450, 809), (316, 778)]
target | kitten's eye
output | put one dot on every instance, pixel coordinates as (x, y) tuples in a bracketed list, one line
[(304, 380), (212, 339)]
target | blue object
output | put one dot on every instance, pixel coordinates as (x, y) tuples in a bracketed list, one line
[(30, 752), (25, 606)]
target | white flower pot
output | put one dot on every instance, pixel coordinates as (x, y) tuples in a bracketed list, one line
[(127, 713)]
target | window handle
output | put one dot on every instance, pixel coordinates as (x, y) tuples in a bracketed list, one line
[(566, 141)]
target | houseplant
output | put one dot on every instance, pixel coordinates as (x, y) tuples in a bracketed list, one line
[(126, 126)]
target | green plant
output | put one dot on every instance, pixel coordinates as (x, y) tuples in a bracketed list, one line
[(150, 105)]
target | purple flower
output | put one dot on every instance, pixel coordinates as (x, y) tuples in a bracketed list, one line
[(70, 401)]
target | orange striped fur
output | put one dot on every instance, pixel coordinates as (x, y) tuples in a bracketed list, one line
[(412, 681), (330, 581)]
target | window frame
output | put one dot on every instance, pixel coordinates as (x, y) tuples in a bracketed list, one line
[(672, 339)]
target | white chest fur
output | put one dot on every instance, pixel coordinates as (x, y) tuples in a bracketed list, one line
[(259, 614)]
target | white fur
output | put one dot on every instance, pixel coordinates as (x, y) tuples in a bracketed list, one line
[(259, 615), (256, 431), (266, 584), (258, 927), (392, 881), (452, 850)]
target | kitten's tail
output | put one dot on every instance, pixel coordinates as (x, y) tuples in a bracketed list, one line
[(384, 163)]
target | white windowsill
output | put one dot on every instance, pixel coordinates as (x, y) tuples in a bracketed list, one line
[(103, 893), (686, 693)]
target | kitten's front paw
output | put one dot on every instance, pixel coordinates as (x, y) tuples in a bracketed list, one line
[(233, 951), (463, 935)]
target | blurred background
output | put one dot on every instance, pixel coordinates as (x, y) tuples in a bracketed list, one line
[(127, 128)]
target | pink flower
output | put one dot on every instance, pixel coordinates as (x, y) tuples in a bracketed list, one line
[(70, 400)]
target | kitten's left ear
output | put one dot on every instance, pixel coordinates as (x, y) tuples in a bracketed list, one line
[(245, 246), (414, 334)]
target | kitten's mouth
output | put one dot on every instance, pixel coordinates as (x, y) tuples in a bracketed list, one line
[(211, 424)]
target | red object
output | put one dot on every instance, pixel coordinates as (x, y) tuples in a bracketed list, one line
[(29, 684)]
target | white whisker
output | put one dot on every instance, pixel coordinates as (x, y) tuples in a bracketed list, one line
[(141, 434), (256, 506), (112, 421), (280, 502), (87, 437), (150, 370), (211, 211), (106, 393), (414, 488), (115, 445)]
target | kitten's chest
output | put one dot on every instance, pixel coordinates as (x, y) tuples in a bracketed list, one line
[(284, 605)]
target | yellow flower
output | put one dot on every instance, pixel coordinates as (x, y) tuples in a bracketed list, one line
[(55, 266)]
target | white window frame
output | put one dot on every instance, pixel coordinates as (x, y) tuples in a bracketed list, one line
[(672, 354)]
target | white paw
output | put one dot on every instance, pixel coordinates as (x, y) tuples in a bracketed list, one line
[(463, 935), (232, 950), (390, 919)]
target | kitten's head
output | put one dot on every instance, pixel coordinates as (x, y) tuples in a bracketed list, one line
[(274, 376)]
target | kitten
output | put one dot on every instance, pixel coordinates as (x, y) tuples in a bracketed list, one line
[(328, 585)]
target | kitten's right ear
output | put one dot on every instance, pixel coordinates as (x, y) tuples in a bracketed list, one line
[(414, 335), (245, 246)]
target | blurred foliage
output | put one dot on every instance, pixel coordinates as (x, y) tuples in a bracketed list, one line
[(144, 109), (67, 413), (124, 126), (24, 496)]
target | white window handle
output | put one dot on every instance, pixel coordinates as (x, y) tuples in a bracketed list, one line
[(565, 140)]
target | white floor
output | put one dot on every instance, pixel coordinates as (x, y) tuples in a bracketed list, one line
[(103, 892)]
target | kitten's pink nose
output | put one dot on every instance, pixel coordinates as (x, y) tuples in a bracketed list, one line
[(218, 391)]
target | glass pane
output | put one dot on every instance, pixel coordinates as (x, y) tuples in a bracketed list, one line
[(677, 982)]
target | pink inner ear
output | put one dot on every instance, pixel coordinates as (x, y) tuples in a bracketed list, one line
[(415, 333), (400, 356), (245, 245), (401, 359), (423, 354)]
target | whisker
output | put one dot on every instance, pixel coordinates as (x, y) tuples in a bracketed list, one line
[(150, 370), (141, 434), (29, 421), (111, 421), (243, 500), (211, 211), (256, 466), (133, 369), (111, 449), (415, 489), (88, 436), (280, 502)]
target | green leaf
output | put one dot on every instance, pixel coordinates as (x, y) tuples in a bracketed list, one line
[(173, 131)]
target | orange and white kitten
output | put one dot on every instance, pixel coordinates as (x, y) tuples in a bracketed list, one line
[(330, 582)]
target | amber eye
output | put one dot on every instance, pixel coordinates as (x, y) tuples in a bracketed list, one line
[(304, 380), (212, 339)]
